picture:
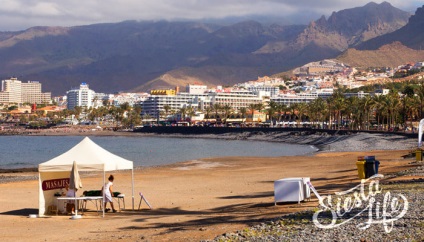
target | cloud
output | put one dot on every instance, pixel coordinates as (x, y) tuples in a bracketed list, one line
[(20, 14)]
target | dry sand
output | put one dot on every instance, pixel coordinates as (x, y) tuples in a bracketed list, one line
[(192, 201)]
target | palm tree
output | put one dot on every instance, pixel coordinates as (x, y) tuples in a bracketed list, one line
[(125, 106), (227, 110), (393, 104), (339, 106), (317, 110), (77, 112), (420, 92), (292, 109), (411, 109), (166, 108), (190, 112), (243, 112), (217, 108), (352, 112), (301, 109), (208, 111), (273, 107), (113, 111), (252, 108), (280, 108), (260, 107), (183, 111), (367, 105), (379, 105)]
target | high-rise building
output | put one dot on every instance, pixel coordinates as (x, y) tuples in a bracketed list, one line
[(82, 96), (11, 91), (15, 91), (31, 93)]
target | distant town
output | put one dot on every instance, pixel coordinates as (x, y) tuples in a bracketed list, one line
[(325, 94)]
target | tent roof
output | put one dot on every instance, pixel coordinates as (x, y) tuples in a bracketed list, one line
[(89, 157)]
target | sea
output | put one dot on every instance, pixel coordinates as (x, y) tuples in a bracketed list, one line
[(29, 151)]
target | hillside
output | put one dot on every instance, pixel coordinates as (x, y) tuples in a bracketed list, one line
[(347, 28), (391, 55), (410, 35), (140, 56)]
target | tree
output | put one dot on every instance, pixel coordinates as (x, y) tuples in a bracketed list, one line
[(227, 111), (367, 105), (166, 108), (208, 111), (243, 112), (217, 108), (292, 109), (339, 106), (133, 118), (77, 112), (252, 108), (190, 112), (420, 92), (125, 106), (318, 110), (273, 106), (183, 111)]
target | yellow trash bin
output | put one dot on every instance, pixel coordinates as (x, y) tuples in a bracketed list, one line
[(361, 168), (418, 155)]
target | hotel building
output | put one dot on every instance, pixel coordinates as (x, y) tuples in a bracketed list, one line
[(198, 99), (15, 91), (82, 96)]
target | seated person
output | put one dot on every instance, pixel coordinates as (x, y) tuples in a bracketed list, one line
[(70, 206)]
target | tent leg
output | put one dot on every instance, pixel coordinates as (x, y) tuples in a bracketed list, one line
[(103, 200), (132, 178)]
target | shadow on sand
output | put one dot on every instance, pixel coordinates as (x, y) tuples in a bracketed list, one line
[(21, 212)]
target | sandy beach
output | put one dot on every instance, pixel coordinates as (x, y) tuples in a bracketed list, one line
[(200, 199)]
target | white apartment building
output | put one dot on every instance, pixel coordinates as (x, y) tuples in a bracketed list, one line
[(154, 104), (196, 89), (130, 98), (31, 93), (235, 99), (288, 99), (82, 96), (11, 91), (15, 91), (273, 90)]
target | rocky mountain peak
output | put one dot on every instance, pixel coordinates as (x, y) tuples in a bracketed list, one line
[(418, 18), (409, 35), (350, 27)]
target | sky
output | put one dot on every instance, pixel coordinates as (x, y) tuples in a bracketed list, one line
[(22, 14)]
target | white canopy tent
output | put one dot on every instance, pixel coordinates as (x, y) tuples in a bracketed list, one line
[(54, 174)]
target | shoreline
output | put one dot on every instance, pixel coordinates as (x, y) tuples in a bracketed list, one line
[(324, 143), (321, 142), (202, 199)]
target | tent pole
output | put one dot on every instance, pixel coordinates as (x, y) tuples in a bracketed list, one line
[(103, 192), (41, 199), (132, 178)]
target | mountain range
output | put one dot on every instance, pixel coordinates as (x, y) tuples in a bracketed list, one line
[(139, 56)]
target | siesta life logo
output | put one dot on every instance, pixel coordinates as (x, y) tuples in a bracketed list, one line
[(355, 202)]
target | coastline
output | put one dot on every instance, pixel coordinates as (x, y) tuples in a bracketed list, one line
[(322, 142), (201, 199)]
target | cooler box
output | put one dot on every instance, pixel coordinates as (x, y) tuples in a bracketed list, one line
[(291, 190)]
